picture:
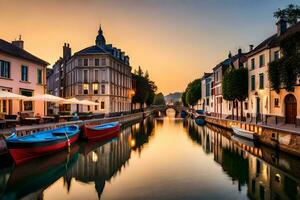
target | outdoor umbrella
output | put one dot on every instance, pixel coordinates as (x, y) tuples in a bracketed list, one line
[(4, 95), (73, 101), (46, 98), (89, 103)]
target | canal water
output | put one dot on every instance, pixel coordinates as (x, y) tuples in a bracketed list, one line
[(158, 158)]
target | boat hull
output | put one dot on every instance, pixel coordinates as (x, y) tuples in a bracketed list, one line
[(93, 134), (244, 134), (23, 154)]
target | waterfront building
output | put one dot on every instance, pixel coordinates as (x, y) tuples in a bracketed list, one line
[(206, 101), (262, 100), (100, 73), (22, 73), (223, 108)]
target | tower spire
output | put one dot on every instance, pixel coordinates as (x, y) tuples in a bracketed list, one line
[(100, 39)]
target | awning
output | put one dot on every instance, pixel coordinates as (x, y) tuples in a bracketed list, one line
[(46, 98), (4, 95)]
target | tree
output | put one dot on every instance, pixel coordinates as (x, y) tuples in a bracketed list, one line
[(291, 14), (193, 92), (145, 88), (183, 99), (235, 86), (159, 99)]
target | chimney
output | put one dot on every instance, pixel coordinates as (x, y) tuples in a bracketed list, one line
[(67, 51), (19, 43), (251, 47), (281, 26)]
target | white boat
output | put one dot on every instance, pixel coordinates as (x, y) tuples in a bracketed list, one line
[(244, 133)]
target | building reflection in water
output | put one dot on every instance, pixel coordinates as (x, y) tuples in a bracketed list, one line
[(98, 165), (265, 173)]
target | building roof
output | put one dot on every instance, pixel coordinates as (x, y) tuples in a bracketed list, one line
[(8, 48), (274, 40), (101, 47)]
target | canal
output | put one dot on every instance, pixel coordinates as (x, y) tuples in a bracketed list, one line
[(158, 158)]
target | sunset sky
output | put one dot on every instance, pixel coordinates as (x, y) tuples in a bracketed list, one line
[(175, 40)]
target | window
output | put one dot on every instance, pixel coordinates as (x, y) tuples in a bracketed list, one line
[(85, 88), (96, 62), (102, 105), (28, 105), (39, 76), (276, 55), (96, 106), (276, 102), (261, 81), (24, 73), (207, 102), (4, 69), (89, 108), (85, 76), (246, 105), (102, 89), (96, 72), (252, 82), (262, 60), (103, 61), (85, 62), (79, 62), (95, 88), (252, 63)]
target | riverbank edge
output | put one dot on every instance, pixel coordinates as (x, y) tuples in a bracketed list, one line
[(278, 139), (124, 120)]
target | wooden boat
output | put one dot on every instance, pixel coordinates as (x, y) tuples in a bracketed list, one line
[(244, 133), (101, 132), (41, 143)]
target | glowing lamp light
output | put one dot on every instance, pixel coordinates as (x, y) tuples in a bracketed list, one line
[(132, 143)]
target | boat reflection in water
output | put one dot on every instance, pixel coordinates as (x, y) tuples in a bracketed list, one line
[(158, 159), (30, 179), (99, 162), (263, 172)]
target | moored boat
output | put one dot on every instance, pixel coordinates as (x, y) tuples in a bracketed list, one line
[(41, 143), (200, 121), (244, 133), (101, 132)]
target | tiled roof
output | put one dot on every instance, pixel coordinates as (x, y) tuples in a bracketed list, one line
[(91, 50), (15, 51)]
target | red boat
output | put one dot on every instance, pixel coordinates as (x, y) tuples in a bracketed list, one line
[(41, 143), (101, 132)]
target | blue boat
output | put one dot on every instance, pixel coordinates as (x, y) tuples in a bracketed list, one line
[(41, 143), (200, 121)]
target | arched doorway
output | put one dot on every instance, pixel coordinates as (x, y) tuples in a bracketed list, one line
[(290, 109)]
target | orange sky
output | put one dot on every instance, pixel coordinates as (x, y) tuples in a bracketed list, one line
[(176, 41)]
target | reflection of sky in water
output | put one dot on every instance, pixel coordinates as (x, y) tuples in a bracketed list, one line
[(168, 159)]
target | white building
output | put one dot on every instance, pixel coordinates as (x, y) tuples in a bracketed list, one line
[(100, 73)]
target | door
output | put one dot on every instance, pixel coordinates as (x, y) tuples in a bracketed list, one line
[(290, 109)]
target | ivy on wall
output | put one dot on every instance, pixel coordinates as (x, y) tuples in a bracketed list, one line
[(283, 73)]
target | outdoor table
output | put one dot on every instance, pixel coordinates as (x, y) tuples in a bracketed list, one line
[(11, 122), (48, 118), (34, 120)]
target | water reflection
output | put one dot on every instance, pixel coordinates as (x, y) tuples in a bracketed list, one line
[(266, 173), (162, 158)]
